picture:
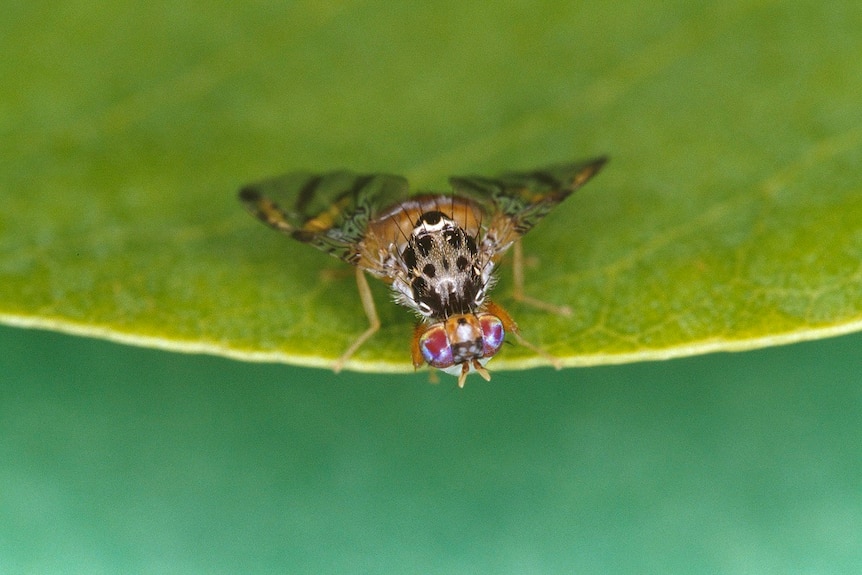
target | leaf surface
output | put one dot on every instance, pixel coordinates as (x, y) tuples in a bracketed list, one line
[(728, 217)]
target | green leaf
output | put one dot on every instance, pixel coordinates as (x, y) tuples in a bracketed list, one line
[(728, 217)]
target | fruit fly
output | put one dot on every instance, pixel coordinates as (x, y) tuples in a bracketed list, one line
[(436, 251)]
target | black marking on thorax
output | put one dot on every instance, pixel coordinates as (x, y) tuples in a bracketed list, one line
[(442, 271)]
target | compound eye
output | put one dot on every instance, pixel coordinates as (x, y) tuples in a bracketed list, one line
[(435, 347), (492, 334)]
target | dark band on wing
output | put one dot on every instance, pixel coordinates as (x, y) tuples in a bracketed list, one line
[(329, 211), (307, 193), (524, 198)]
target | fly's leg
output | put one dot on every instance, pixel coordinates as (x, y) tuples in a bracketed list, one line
[(370, 312), (518, 289), (512, 328)]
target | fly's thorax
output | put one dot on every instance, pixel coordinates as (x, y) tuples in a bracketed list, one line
[(445, 272)]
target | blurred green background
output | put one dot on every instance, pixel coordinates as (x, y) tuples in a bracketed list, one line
[(116, 459)]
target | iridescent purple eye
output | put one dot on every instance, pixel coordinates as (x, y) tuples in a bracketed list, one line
[(436, 348), (492, 334)]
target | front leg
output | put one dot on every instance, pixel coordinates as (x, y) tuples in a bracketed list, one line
[(370, 312)]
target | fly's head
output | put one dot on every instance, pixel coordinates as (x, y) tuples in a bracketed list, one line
[(460, 344)]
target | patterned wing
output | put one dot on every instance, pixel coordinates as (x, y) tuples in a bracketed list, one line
[(329, 211), (517, 201)]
